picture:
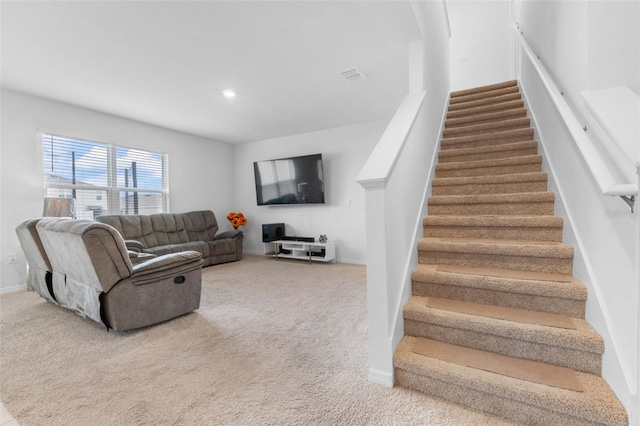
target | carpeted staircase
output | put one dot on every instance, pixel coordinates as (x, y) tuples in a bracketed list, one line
[(496, 320)]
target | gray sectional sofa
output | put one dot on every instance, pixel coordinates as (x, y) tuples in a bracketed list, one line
[(164, 233), (85, 266)]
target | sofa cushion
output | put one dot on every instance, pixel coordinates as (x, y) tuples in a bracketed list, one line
[(132, 227), (199, 246), (200, 225), (169, 228)]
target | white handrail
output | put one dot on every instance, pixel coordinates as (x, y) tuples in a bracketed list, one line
[(383, 158), (607, 181)]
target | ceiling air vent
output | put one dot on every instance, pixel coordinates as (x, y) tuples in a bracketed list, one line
[(353, 74)]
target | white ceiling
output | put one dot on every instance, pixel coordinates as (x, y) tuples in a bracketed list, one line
[(166, 62)]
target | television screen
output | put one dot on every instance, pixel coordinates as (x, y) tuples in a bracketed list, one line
[(294, 180)]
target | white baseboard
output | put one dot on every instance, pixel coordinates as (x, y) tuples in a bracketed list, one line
[(380, 377), (12, 289), (350, 260)]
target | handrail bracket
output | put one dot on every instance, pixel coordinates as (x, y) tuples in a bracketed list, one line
[(630, 200)]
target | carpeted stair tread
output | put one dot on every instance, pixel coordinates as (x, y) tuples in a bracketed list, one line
[(487, 139), (483, 95), (581, 338), (533, 256), (491, 152), (459, 158), (492, 100), (520, 400), (498, 247), (504, 273), (539, 228), (532, 203), (451, 123), (489, 204), (532, 371), (513, 123), (485, 109), (535, 197), (482, 89), (494, 221), (491, 184), (494, 184), (501, 312), (544, 292), (495, 166)]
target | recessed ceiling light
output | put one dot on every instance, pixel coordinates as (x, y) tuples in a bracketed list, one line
[(229, 93)]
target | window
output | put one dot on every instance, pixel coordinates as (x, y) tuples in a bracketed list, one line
[(104, 179)]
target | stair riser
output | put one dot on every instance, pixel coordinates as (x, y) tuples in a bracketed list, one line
[(452, 134), (485, 171), (516, 411), (525, 152), (496, 126), (495, 188), (552, 265), (453, 123), (496, 134), (483, 95), (448, 144), (565, 357), (491, 209), (484, 102), (556, 305), (486, 109), (494, 233)]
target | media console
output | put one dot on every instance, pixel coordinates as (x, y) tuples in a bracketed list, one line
[(303, 250)]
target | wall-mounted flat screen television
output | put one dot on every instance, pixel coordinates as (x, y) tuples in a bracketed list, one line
[(293, 180)]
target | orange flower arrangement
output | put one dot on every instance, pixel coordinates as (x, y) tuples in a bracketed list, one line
[(236, 219)]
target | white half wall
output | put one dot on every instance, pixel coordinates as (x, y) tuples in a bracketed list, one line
[(199, 169), (344, 151)]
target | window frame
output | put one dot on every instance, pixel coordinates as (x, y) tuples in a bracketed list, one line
[(112, 189)]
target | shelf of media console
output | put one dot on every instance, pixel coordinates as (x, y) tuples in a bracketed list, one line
[(301, 250)]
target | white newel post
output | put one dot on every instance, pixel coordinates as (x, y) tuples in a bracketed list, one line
[(383, 277), (380, 346)]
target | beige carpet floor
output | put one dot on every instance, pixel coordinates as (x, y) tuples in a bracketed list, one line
[(273, 343)]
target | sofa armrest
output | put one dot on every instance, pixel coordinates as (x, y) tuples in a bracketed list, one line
[(229, 234), (134, 245), (164, 263), (137, 257)]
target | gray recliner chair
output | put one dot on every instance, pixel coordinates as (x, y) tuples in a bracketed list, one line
[(39, 277), (94, 276)]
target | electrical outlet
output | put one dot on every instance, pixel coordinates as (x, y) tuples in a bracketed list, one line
[(12, 258)]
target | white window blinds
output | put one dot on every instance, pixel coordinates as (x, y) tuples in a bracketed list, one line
[(104, 179)]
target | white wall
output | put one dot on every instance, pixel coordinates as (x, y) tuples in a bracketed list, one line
[(586, 45), (590, 46), (341, 218), (199, 169), (480, 49)]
